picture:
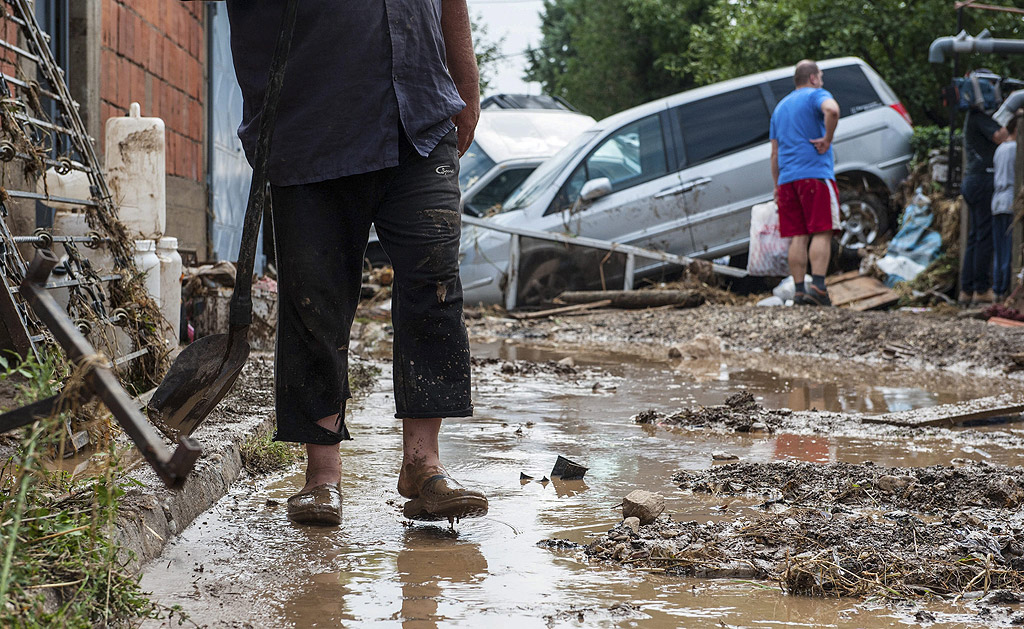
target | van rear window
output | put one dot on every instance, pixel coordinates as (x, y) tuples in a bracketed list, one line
[(848, 85)]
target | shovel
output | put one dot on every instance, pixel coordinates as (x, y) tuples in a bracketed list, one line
[(204, 372)]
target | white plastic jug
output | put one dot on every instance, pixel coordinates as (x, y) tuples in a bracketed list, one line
[(136, 171), (74, 224), (74, 185), (149, 265), (170, 285)]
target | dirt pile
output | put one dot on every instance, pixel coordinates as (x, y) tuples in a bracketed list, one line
[(925, 490), (844, 530), (929, 340), (740, 413)]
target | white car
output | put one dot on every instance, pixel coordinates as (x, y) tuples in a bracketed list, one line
[(680, 175), (508, 145)]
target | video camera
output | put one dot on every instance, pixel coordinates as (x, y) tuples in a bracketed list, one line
[(980, 89)]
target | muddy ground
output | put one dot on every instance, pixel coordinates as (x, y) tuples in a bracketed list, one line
[(840, 529), (861, 531), (933, 339)]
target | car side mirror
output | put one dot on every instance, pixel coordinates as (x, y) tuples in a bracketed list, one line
[(596, 188)]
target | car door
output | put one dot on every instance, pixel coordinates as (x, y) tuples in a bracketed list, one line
[(638, 162), (727, 167)]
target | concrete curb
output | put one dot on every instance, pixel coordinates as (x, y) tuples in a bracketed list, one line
[(150, 515)]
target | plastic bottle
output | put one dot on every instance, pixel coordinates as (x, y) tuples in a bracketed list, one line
[(148, 264), (170, 285), (136, 171)]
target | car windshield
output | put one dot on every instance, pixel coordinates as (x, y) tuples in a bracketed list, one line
[(473, 165), (544, 177)]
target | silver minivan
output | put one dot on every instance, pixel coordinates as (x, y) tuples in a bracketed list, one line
[(680, 174)]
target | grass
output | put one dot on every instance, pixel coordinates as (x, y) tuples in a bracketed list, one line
[(261, 454), (58, 563)]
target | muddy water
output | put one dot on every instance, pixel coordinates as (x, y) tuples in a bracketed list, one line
[(243, 564)]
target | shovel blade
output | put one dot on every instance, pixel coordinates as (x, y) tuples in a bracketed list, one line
[(198, 379)]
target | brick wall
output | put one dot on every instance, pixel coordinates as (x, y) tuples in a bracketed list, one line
[(153, 52)]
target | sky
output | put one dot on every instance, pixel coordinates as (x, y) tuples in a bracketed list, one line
[(518, 21)]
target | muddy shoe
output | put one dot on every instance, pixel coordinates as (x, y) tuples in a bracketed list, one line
[(319, 506), (444, 498), (984, 299), (817, 297), (964, 299)]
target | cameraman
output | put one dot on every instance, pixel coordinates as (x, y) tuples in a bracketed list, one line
[(982, 135)]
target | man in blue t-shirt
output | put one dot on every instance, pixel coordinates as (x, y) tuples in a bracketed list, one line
[(803, 169)]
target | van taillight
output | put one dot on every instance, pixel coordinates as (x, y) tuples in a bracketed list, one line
[(901, 110)]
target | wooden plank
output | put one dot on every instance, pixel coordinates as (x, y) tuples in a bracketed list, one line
[(1006, 323), (540, 314), (886, 298), (855, 290), (841, 277), (948, 414)]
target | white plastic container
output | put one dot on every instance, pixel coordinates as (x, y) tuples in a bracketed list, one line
[(149, 265), (74, 224), (136, 172), (170, 286), (74, 185)]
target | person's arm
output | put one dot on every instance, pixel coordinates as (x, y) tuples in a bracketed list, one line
[(775, 163), (831, 110), (1000, 136), (458, 44)]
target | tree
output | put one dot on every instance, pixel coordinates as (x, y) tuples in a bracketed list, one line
[(744, 36), (488, 52), (607, 55)]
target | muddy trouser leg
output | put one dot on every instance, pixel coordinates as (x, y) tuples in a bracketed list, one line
[(320, 235), (419, 227)]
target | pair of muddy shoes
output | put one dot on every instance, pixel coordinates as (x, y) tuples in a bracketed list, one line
[(320, 506), (813, 297), (444, 498)]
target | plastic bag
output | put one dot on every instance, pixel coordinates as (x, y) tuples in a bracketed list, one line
[(769, 251), (786, 289)]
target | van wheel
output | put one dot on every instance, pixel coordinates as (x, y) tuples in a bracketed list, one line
[(863, 219), (541, 282)]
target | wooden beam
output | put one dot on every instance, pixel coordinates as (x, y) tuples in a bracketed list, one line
[(1003, 405), (540, 314)]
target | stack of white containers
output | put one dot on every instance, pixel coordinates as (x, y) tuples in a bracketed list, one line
[(136, 173), (135, 169)]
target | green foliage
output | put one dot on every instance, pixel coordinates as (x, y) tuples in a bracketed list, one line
[(607, 55), (60, 567), (261, 454), (893, 36), (927, 138), (33, 378), (488, 52)]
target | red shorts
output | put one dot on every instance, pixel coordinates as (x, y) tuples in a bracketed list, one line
[(808, 206)]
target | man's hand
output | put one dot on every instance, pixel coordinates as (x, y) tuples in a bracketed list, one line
[(465, 121), (821, 144)]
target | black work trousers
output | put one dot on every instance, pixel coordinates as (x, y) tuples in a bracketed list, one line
[(320, 232)]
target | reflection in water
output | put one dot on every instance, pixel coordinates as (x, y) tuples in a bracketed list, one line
[(431, 559), (243, 564)]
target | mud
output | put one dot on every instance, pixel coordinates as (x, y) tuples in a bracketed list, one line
[(930, 339), (243, 564)]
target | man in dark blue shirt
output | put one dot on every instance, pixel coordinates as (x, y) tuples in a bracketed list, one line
[(379, 101), (982, 135)]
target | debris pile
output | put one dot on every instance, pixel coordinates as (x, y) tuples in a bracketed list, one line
[(740, 413), (844, 530)]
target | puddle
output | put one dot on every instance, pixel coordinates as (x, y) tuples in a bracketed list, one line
[(242, 563)]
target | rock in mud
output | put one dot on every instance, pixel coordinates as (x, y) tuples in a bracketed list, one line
[(646, 506), (723, 456), (632, 523)]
